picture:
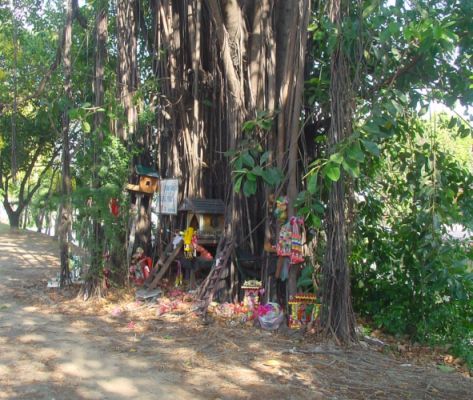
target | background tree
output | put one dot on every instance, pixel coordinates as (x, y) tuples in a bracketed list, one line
[(28, 127), (66, 210)]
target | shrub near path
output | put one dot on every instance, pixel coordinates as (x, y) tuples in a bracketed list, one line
[(52, 346)]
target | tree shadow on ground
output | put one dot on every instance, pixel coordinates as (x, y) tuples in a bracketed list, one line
[(55, 346)]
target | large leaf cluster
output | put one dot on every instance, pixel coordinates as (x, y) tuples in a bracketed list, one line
[(409, 274)]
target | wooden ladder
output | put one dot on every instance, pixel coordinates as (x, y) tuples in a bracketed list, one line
[(163, 264), (209, 286)]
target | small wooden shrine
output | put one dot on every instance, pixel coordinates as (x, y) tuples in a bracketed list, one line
[(251, 291), (302, 309), (205, 216)]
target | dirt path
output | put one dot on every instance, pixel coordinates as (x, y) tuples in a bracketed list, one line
[(51, 349)]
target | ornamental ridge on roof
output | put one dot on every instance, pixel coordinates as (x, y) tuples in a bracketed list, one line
[(203, 206)]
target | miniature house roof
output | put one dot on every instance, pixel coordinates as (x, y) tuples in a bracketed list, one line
[(146, 171), (203, 206)]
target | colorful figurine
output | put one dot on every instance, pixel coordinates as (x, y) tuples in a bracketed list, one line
[(251, 298), (140, 267)]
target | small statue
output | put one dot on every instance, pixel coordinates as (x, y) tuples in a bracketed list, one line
[(140, 267)]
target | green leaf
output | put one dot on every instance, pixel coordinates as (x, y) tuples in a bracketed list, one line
[(237, 186), (394, 28), (304, 282), (248, 126), (452, 123), (85, 126), (268, 178), (355, 153), (272, 176), (371, 147), (332, 171), (397, 106), (370, 8), (264, 158), (318, 207), (315, 221), (312, 184), (336, 158), (351, 167), (249, 188), (251, 177), (265, 124), (307, 271), (239, 163), (372, 128), (248, 160), (258, 171)]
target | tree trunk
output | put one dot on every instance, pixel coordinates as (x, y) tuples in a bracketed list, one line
[(14, 220), (214, 76), (43, 212), (337, 316), (25, 218), (127, 74), (66, 213), (14, 166), (92, 286)]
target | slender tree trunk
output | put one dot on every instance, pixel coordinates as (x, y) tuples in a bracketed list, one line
[(337, 313), (193, 125), (92, 286), (43, 212), (293, 19), (293, 113), (66, 214), (127, 73), (14, 166)]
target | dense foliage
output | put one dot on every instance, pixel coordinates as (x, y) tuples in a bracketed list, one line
[(408, 174), (409, 274)]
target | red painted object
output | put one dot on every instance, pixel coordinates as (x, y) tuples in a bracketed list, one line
[(114, 207), (140, 271)]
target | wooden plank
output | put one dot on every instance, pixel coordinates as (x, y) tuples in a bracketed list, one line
[(131, 240), (158, 263), (166, 264)]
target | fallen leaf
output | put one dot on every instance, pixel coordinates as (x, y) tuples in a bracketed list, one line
[(448, 359), (402, 348), (272, 363), (459, 361)]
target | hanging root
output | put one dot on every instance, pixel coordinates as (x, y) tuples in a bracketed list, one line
[(337, 314)]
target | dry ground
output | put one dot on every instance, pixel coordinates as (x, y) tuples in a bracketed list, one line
[(55, 347)]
